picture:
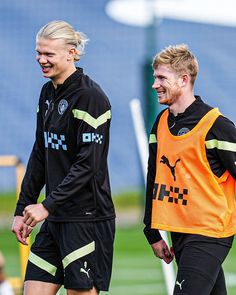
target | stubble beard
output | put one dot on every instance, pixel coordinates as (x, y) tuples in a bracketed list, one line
[(172, 96)]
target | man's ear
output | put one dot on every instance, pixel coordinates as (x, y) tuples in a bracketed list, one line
[(71, 53), (185, 80)]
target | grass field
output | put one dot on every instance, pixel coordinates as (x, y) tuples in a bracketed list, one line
[(136, 270)]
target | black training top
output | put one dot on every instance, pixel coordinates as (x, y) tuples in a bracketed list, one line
[(70, 152), (220, 160)]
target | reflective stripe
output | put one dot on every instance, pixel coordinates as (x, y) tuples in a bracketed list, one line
[(152, 138), (86, 117), (221, 145), (85, 250), (43, 264)]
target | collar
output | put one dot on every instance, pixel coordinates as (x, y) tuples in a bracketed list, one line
[(190, 109), (69, 80)]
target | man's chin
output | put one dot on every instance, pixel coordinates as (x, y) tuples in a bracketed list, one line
[(164, 101), (46, 75)]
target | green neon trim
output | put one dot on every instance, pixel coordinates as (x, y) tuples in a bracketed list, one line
[(152, 138), (85, 250), (86, 117), (43, 264), (221, 145), (37, 109)]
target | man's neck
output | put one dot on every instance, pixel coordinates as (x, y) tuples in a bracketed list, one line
[(61, 80), (181, 104)]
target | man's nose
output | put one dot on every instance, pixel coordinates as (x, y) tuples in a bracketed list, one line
[(155, 85), (42, 59)]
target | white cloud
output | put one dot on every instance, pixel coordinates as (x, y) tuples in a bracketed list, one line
[(141, 12)]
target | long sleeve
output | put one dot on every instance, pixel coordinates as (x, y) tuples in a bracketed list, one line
[(34, 178), (221, 147), (152, 235)]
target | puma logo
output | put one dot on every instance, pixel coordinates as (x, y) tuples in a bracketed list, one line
[(165, 161), (47, 102), (179, 284), (85, 270)]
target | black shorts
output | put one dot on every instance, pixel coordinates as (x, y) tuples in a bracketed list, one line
[(200, 269), (76, 255)]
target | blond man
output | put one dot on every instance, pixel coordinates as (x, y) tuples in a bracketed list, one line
[(74, 246), (191, 178)]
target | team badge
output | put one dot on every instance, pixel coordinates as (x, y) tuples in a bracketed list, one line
[(63, 104), (183, 131)]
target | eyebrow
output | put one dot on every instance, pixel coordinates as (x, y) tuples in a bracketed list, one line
[(46, 52), (159, 76)]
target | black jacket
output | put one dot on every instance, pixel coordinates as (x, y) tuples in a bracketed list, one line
[(70, 152)]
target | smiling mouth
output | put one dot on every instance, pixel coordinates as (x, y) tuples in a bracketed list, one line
[(161, 93), (46, 69)]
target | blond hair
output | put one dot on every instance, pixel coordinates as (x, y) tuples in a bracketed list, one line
[(62, 30), (179, 58)]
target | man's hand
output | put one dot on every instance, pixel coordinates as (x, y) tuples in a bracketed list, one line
[(162, 251), (20, 229), (34, 214)]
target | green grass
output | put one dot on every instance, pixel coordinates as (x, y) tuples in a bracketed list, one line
[(7, 203), (128, 200), (10, 249), (135, 269)]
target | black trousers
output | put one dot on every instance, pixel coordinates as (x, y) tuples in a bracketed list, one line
[(200, 269)]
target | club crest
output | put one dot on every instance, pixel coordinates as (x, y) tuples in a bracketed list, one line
[(183, 131), (63, 104)]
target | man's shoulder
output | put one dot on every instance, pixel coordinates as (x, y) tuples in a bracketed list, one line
[(155, 125), (45, 88), (90, 86), (46, 85), (222, 129), (159, 115), (224, 123), (91, 92)]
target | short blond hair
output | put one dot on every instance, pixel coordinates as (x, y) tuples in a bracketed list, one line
[(179, 58), (62, 30)]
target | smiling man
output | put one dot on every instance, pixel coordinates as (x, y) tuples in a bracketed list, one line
[(74, 246), (191, 178), (54, 59)]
